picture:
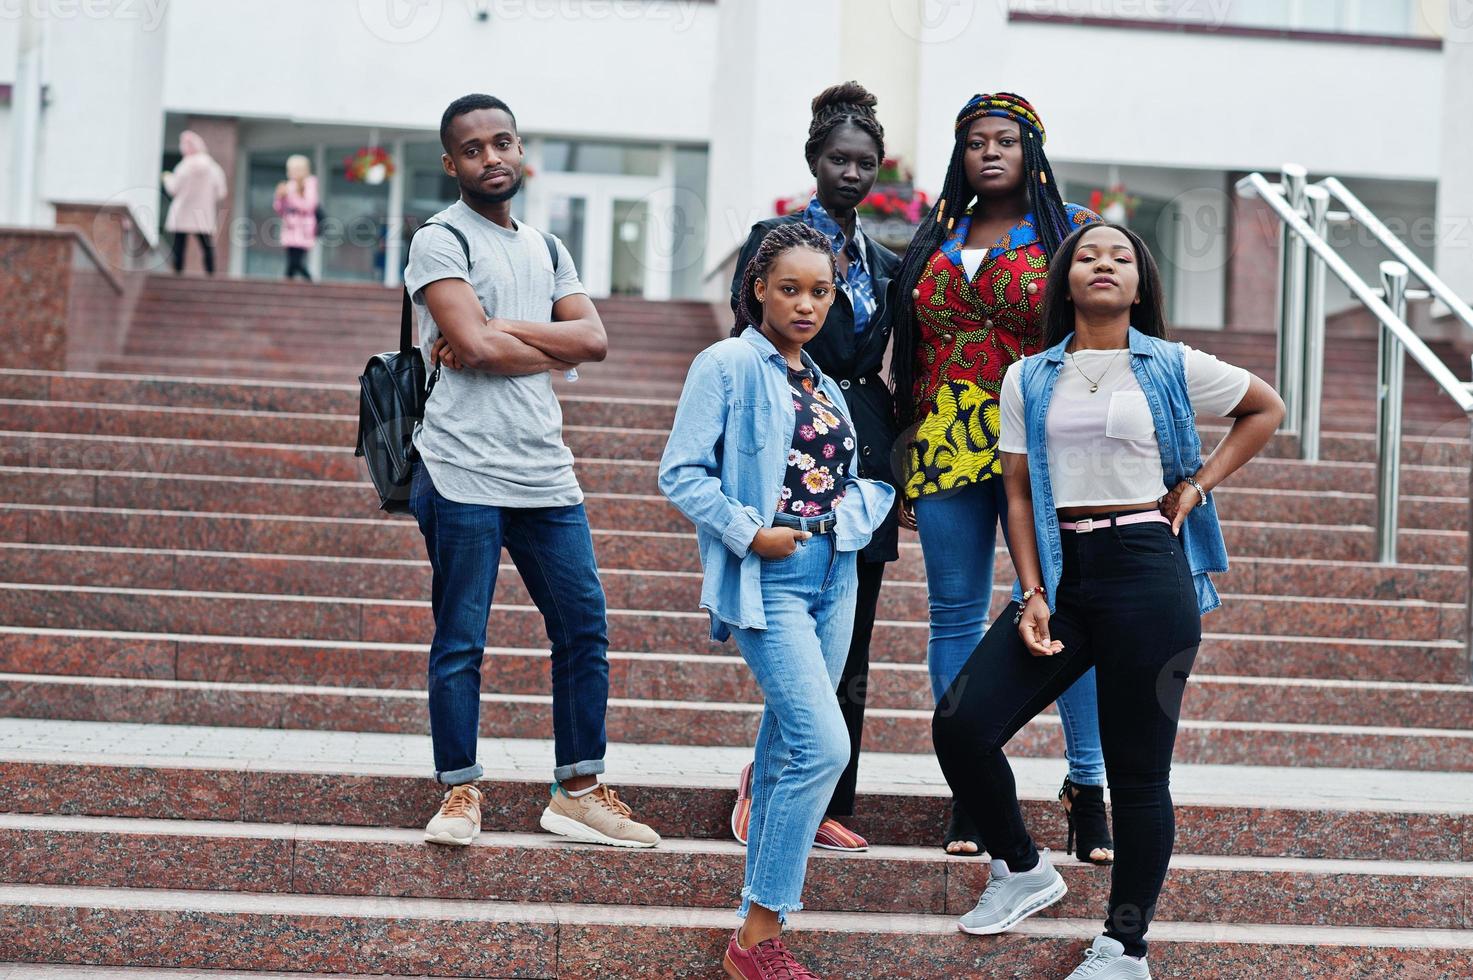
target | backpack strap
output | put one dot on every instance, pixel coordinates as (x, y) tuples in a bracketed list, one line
[(406, 315), (551, 249)]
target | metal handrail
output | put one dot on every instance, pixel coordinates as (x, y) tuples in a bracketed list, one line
[(1415, 346), (1368, 220)]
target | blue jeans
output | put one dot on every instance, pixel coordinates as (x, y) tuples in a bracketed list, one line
[(553, 551), (803, 744), (958, 531)]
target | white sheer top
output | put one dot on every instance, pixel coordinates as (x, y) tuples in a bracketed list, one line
[(1102, 444)]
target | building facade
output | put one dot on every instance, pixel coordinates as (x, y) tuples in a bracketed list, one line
[(657, 131)]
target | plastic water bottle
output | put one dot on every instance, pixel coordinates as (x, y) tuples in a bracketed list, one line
[(572, 374)]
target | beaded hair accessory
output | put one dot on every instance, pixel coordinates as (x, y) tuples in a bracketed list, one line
[(1004, 104)]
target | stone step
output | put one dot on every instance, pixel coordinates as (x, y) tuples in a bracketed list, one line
[(204, 457), (382, 780), (398, 537), (491, 939), (409, 620), (274, 427), (699, 677), (226, 368), (903, 595), (628, 505), (543, 869), (299, 706)]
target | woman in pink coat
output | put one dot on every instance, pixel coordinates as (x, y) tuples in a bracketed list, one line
[(296, 202), (197, 186)]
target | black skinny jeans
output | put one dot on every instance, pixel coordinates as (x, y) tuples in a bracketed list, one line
[(1127, 607), (854, 681), (296, 263)]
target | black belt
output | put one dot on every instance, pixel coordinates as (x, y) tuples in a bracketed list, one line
[(814, 525)]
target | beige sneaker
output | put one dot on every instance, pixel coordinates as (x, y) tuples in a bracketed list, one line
[(599, 817), (459, 819)]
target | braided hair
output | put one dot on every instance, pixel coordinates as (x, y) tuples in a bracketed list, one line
[(848, 103), (784, 237), (957, 196)]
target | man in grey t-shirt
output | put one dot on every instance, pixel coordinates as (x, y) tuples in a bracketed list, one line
[(493, 471)]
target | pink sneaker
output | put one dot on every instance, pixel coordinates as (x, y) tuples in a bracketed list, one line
[(768, 960)]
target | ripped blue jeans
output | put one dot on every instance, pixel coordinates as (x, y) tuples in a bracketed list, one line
[(803, 744)]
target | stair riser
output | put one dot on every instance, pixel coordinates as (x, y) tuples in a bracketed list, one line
[(632, 676), (400, 621), (559, 874), (447, 947), (153, 455), (261, 796), (409, 578), (371, 536), (641, 723)]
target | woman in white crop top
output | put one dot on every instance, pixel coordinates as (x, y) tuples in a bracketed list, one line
[(1125, 603)]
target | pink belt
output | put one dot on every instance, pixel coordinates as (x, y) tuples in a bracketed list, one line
[(1087, 524)]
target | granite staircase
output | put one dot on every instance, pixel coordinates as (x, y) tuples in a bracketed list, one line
[(213, 751)]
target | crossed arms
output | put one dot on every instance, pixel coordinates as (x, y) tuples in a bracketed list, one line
[(469, 339)]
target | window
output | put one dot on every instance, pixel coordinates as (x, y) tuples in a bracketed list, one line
[(588, 157), (1389, 17)]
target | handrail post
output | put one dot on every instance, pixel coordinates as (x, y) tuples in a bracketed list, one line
[(1468, 579), (1317, 199), (1390, 374), (1291, 301)]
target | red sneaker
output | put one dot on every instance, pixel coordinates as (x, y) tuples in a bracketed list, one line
[(834, 836), (768, 960), (741, 814)]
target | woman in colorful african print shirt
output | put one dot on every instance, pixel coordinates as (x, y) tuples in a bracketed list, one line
[(975, 273)]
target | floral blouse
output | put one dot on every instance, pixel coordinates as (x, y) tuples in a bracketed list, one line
[(822, 440)]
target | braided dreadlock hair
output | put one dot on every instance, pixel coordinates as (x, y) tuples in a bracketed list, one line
[(846, 103), (956, 197), (794, 234)]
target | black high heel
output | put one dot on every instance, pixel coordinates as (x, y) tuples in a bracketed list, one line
[(1084, 808)]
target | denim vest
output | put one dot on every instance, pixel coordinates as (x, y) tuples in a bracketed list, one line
[(1160, 368), (724, 463)]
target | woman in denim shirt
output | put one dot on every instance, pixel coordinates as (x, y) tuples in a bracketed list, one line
[(1113, 533), (762, 459)]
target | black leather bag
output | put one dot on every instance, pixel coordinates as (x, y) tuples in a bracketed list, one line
[(392, 393)]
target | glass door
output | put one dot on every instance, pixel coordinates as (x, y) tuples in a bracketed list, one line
[(630, 247), (354, 241)]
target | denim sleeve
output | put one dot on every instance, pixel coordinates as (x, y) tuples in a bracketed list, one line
[(689, 472), (862, 509)]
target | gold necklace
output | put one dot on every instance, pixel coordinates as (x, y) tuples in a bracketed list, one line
[(1094, 385)]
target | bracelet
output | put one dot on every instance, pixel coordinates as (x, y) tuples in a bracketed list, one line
[(1191, 481), (1027, 594)]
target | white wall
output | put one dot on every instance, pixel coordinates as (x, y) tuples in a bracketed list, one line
[(102, 126), (553, 61), (759, 129), (1188, 100)]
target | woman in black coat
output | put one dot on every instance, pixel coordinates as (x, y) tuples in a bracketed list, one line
[(845, 148)]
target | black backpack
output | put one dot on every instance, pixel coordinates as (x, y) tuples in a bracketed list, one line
[(393, 390)]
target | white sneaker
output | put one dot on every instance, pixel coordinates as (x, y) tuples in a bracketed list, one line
[(459, 819), (1106, 960), (1011, 897)]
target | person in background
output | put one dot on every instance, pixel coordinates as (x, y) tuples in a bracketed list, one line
[(296, 201), (969, 295), (845, 148), (762, 459), (1114, 532), (197, 186)]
